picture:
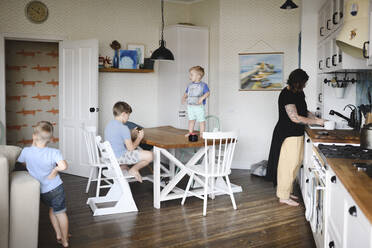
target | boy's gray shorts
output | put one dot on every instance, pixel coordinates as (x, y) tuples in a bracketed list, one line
[(130, 157)]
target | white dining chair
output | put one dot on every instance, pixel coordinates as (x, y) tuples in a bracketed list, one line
[(216, 164), (120, 194), (95, 175)]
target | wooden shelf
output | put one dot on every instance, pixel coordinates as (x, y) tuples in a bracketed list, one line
[(126, 70)]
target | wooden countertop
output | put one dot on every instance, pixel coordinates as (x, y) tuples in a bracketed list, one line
[(334, 136), (357, 183)]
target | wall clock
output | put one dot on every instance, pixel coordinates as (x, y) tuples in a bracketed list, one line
[(36, 11)]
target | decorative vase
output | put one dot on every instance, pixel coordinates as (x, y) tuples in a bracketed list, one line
[(339, 92), (115, 61)]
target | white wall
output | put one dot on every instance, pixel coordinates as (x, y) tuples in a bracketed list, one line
[(253, 113), (128, 21), (207, 13)]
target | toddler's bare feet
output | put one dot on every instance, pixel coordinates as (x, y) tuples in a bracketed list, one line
[(293, 197), (136, 174), (187, 135), (289, 202)]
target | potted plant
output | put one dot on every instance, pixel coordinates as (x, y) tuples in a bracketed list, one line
[(115, 45)]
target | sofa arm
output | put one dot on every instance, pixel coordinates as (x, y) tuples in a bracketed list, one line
[(24, 210), (4, 202)]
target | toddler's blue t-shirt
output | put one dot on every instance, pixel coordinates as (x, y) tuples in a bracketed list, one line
[(116, 133), (196, 90), (40, 162)]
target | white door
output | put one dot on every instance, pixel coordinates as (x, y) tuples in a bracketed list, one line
[(78, 100)]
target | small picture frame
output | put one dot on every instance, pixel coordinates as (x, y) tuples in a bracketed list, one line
[(140, 48), (128, 59), (261, 71)]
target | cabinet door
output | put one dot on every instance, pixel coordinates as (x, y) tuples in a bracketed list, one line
[(321, 25), (328, 55), (335, 207), (328, 18), (357, 228), (321, 60), (369, 50), (336, 53)]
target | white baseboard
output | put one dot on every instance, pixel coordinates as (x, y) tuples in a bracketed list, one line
[(242, 165)]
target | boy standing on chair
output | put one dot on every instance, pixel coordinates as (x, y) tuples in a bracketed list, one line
[(196, 94), (43, 163), (126, 150)]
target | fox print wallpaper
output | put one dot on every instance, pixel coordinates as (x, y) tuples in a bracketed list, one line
[(31, 89)]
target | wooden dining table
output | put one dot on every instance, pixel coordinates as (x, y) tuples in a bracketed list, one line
[(166, 139)]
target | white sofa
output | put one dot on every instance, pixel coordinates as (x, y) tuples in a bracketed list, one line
[(19, 203)]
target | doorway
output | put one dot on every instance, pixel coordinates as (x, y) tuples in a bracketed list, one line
[(31, 85)]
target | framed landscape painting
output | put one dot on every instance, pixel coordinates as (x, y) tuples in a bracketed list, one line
[(261, 71)]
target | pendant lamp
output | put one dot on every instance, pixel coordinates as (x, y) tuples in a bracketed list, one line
[(289, 5), (162, 53)]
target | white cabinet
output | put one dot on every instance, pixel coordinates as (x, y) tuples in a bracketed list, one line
[(190, 47), (357, 230), (346, 225)]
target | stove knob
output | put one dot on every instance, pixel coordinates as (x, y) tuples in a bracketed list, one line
[(307, 181), (334, 179), (308, 140), (353, 211)]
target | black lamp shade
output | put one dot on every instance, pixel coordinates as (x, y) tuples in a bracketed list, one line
[(289, 5), (162, 53)]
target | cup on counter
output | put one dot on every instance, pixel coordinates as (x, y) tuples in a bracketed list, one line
[(329, 125)]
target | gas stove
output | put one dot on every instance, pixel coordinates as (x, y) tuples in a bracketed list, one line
[(345, 151), (351, 152)]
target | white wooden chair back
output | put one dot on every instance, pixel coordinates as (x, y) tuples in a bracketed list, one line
[(89, 133), (108, 155), (219, 155)]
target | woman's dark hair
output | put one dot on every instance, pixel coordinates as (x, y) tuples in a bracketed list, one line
[(297, 80)]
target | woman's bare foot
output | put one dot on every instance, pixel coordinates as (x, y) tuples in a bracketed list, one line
[(136, 174), (293, 197), (289, 202), (59, 239)]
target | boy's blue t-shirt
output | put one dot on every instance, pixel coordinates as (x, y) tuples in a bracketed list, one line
[(116, 133), (40, 162), (196, 90)]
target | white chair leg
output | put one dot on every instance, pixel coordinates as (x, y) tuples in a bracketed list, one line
[(205, 196), (89, 179), (231, 193), (98, 181), (187, 189), (213, 180)]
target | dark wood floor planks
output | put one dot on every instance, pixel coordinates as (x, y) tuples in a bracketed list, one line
[(260, 220)]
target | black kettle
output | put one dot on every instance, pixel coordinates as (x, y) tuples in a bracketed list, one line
[(354, 120)]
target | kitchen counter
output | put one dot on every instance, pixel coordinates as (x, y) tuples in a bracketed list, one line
[(334, 136), (357, 183)]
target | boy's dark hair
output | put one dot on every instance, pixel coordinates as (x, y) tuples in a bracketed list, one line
[(121, 107), (297, 80)]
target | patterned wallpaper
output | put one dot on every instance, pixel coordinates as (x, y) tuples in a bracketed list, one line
[(31, 89)]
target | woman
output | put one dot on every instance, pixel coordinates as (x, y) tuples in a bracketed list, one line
[(286, 151)]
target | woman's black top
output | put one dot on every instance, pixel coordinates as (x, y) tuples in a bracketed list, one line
[(285, 128)]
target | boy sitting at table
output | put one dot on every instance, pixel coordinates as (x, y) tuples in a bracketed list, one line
[(126, 150)]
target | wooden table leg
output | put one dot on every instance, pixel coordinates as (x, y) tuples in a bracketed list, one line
[(156, 177)]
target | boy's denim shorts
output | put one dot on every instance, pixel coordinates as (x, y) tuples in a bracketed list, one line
[(55, 199)]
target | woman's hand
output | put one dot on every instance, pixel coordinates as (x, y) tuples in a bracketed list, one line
[(53, 174), (320, 121)]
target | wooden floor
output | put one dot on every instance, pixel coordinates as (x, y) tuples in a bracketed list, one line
[(259, 221)]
